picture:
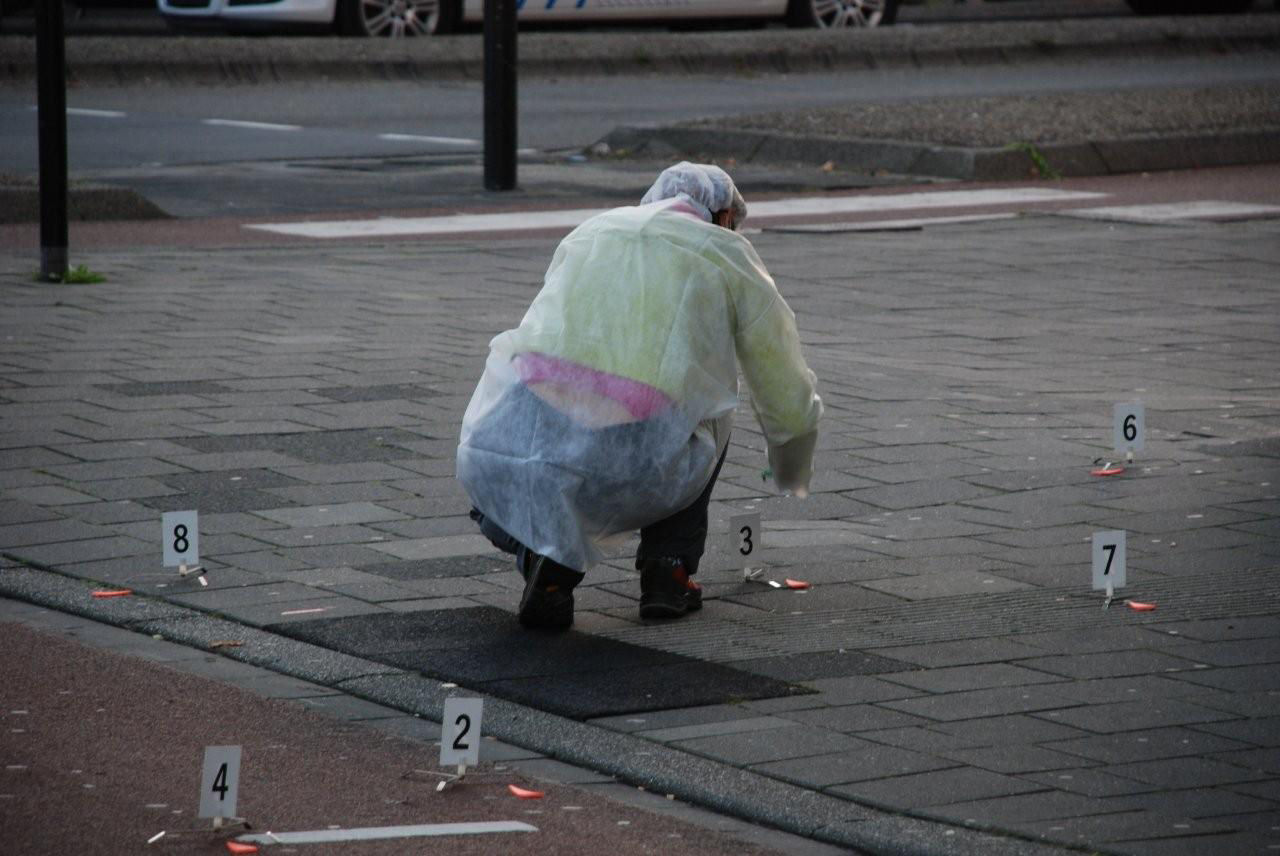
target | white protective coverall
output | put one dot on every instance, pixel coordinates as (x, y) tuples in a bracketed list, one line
[(657, 299)]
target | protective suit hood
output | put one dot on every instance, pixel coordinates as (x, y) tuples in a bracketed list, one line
[(705, 187)]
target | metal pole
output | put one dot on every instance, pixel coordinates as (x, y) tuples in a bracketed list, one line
[(500, 94), (52, 122)]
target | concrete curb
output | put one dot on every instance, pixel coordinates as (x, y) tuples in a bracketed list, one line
[(124, 60), (656, 767), (85, 202), (1097, 157)]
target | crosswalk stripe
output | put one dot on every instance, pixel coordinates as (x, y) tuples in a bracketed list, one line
[(808, 206), (1174, 211), (889, 225)]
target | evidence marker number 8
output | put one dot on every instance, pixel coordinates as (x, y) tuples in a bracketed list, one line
[(180, 531)]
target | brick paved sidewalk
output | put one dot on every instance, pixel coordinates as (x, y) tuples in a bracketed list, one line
[(306, 402)]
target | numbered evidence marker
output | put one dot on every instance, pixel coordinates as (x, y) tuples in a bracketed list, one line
[(460, 733), (744, 542), (180, 532), (220, 782), (1130, 428), (1108, 562)]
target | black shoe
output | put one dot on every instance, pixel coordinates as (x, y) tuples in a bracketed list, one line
[(547, 602), (666, 590)]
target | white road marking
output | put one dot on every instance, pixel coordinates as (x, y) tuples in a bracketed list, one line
[(452, 224), (1174, 211), (522, 221), (889, 225), (374, 833), (101, 114), (809, 205), (444, 141), (257, 126), (417, 138)]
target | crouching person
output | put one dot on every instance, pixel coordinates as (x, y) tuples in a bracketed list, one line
[(609, 408)]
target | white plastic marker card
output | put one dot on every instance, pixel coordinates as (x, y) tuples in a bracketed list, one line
[(1130, 427), (220, 781), (1108, 560), (180, 531), (744, 541), (460, 731)]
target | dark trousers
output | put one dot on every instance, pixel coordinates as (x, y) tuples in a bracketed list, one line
[(683, 534)]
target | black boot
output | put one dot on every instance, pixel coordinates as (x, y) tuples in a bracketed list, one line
[(666, 590), (547, 602)]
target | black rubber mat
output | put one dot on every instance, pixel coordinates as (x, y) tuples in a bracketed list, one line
[(571, 674)]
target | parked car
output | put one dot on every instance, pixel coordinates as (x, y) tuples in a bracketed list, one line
[(431, 17)]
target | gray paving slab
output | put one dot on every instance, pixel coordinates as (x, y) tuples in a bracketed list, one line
[(1263, 731), (1022, 808), (998, 681), (863, 762), (1131, 688), (936, 787), (1007, 730), (980, 676), (1113, 664), (660, 720), (1137, 715), (1123, 827), (1013, 758), (1178, 773), (1092, 782), (854, 719), (1133, 746), (713, 729), (1238, 679), (974, 704), (762, 746), (1206, 802)]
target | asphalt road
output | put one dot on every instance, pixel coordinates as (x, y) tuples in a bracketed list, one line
[(148, 127), (290, 148)]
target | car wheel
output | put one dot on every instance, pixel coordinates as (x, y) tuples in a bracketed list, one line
[(826, 14), (397, 18)]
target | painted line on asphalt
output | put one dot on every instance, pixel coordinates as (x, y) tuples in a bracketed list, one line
[(1204, 209), (452, 224), (257, 126), (807, 206), (889, 225), (376, 833), (525, 221), (421, 138), (444, 141), (100, 114)]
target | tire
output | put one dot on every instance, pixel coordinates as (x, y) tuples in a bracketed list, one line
[(830, 14), (397, 18), (1189, 7)]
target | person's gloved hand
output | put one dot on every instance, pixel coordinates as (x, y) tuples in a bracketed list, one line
[(792, 463)]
